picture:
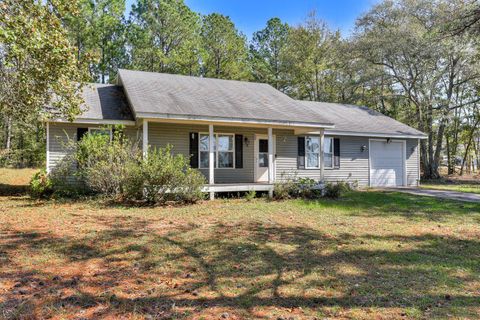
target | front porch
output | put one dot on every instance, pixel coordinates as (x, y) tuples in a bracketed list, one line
[(238, 187), (236, 157)]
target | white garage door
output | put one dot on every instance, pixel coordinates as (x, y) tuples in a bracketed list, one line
[(386, 163)]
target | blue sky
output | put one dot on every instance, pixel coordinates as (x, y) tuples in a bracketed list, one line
[(251, 15)]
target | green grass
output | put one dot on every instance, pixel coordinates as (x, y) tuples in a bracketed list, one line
[(15, 181), (369, 255), (457, 186)]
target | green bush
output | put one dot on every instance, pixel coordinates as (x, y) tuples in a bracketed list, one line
[(308, 188), (110, 167), (65, 182), (169, 177), (117, 170), (41, 185), (190, 190), (336, 190), (250, 195), (286, 188)]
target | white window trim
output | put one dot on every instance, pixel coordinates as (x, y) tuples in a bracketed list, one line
[(216, 134), (332, 153), (306, 157), (104, 129)]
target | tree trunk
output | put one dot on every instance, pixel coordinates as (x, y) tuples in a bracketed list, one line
[(449, 157), (469, 144), (431, 167), (8, 133)]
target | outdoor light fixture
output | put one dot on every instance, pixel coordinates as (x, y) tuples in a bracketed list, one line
[(389, 140), (363, 148), (247, 142)]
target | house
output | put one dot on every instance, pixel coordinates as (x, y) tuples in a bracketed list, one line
[(246, 136)]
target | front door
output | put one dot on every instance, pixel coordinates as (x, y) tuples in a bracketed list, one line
[(261, 158)]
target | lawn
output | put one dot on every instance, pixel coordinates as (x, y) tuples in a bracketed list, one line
[(15, 181), (369, 255), (470, 187)]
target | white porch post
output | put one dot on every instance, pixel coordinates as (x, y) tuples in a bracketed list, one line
[(322, 155), (145, 138), (211, 160), (48, 148), (271, 178)]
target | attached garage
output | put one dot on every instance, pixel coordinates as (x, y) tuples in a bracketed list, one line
[(387, 163)]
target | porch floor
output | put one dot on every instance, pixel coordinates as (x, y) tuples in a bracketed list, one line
[(233, 187)]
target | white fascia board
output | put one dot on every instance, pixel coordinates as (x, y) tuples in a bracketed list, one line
[(233, 120), (373, 135), (95, 121)]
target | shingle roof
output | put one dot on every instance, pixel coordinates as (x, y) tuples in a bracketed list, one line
[(152, 94), (173, 96), (105, 102), (357, 119)]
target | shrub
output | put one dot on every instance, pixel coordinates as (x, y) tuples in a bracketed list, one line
[(169, 177), (109, 167), (117, 170), (336, 190), (65, 182), (41, 185), (163, 173), (286, 188), (308, 188), (192, 183), (250, 195)]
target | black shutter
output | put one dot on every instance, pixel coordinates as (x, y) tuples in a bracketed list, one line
[(238, 151), (301, 153), (81, 132), (336, 153), (194, 149)]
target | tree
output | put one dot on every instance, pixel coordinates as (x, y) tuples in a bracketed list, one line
[(267, 49), (226, 54), (164, 37), (109, 37), (308, 57), (434, 74), (97, 29), (38, 66)]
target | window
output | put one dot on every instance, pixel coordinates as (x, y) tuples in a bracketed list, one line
[(328, 152), (312, 152), (263, 153), (224, 149), (204, 148)]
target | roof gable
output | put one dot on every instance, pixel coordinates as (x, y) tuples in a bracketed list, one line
[(174, 96), (104, 102), (359, 119)]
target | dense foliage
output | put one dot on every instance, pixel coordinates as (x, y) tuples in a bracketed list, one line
[(414, 60), (291, 187), (115, 168)]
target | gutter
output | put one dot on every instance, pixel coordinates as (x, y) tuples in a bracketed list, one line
[(374, 134), (153, 115)]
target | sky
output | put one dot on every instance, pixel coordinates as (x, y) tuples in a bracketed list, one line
[(251, 15)]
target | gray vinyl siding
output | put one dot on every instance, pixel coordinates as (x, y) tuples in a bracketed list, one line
[(412, 162), (161, 134), (354, 164), (61, 133)]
